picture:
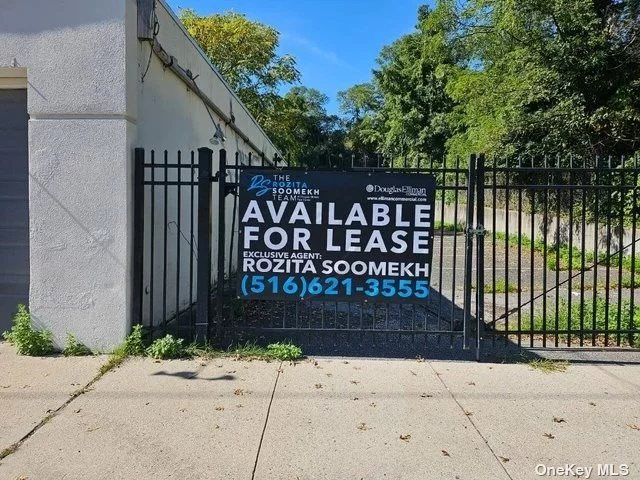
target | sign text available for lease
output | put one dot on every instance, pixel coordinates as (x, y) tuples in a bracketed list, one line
[(335, 236)]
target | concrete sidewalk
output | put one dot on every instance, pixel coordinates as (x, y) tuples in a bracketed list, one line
[(317, 419)]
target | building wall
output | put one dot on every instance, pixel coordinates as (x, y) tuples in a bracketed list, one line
[(88, 110), (169, 116), (78, 162)]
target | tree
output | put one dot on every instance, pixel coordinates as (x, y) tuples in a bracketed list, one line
[(552, 77), (244, 51), (413, 91), (360, 106), (310, 134)]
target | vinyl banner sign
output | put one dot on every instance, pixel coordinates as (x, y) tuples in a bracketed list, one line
[(335, 236)]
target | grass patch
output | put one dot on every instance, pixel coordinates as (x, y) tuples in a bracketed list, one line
[(449, 227), (74, 348), (26, 339), (501, 287), (548, 366), (558, 257), (596, 315)]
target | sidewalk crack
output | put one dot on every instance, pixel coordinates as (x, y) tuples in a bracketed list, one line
[(50, 415), (266, 421), (470, 420)]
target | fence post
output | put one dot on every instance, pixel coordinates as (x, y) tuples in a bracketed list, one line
[(468, 257), (205, 167), (138, 237), (222, 194), (480, 257)]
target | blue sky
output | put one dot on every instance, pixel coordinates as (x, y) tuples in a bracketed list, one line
[(335, 42)]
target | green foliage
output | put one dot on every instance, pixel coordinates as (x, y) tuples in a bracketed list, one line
[(597, 315), (74, 348), (560, 256), (548, 366), (133, 345), (305, 129), (25, 338), (530, 79), (501, 287), (284, 351), (449, 227), (166, 347), (245, 52), (279, 351)]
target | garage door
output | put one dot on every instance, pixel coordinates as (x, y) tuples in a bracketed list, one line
[(14, 204)]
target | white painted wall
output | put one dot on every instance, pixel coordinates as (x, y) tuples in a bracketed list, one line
[(171, 117), (78, 161), (88, 110)]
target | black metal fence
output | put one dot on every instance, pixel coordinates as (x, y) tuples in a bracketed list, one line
[(523, 256), (563, 265)]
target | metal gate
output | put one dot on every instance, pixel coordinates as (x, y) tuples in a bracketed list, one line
[(186, 221), (524, 255)]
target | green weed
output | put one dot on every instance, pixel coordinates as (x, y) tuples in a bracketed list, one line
[(284, 351), (74, 348), (165, 348), (25, 338)]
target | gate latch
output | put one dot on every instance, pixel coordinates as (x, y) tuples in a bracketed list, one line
[(478, 232)]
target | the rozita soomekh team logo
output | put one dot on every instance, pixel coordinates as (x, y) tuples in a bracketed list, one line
[(370, 188)]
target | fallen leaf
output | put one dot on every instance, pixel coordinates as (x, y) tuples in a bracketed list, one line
[(329, 374), (419, 359), (426, 395), (355, 398), (504, 459), (406, 437), (5, 386), (559, 420), (318, 385), (633, 426), (238, 391), (363, 426), (355, 382), (183, 410), (77, 411), (239, 405), (92, 429), (473, 384), (549, 435), (372, 404), (220, 408), (345, 362), (468, 413), (445, 453), (592, 404)]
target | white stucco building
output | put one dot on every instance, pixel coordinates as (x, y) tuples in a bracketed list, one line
[(73, 106)]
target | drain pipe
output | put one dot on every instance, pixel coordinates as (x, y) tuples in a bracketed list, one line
[(171, 62)]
